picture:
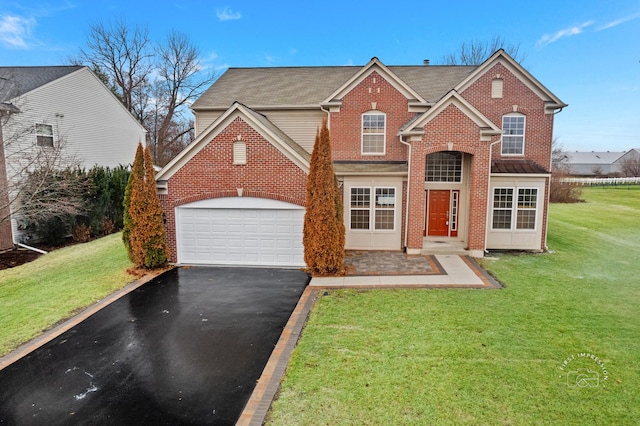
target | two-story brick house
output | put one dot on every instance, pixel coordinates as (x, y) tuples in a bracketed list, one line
[(423, 154)]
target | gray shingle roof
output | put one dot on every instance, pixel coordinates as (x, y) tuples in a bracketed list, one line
[(16, 81), (593, 157), (299, 86)]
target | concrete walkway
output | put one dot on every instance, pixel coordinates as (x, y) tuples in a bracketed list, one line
[(456, 272)]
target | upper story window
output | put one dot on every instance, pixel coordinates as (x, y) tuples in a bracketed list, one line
[(373, 132), (513, 134), (44, 134), (444, 167)]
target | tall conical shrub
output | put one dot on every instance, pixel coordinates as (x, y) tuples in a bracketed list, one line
[(148, 237), (323, 237), (137, 174)]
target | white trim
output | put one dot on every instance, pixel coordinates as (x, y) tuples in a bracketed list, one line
[(487, 128), (241, 203)]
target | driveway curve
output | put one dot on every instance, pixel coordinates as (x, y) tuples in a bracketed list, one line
[(185, 348)]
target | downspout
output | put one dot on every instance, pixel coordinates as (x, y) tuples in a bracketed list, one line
[(328, 116), (30, 248), (406, 213), (486, 226)]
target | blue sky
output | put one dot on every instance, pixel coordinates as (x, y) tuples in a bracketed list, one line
[(587, 52)]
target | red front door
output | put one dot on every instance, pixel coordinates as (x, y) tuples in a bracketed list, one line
[(438, 213)]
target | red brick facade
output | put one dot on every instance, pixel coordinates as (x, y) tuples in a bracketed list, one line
[(346, 125), (210, 173), (467, 120)]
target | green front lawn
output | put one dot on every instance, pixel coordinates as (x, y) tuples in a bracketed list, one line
[(487, 356), (37, 295)]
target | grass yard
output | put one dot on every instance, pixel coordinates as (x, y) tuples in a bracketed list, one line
[(487, 357), (37, 295)]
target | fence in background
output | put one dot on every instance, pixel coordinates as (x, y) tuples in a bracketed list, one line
[(602, 181)]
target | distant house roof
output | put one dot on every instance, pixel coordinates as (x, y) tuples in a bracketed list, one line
[(596, 162), (16, 81), (593, 157), (307, 86)]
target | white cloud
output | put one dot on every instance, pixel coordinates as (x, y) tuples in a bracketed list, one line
[(15, 31), (567, 32), (618, 22), (227, 14)]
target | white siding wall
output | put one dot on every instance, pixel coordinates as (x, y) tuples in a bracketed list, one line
[(204, 119), (95, 127), (301, 126)]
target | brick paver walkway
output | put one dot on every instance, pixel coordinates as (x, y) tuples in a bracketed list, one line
[(389, 263)]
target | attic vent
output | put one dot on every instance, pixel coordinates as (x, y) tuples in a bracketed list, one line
[(496, 88), (426, 62), (239, 152)]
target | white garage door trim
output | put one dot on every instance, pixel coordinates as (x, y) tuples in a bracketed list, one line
[(243, 231)]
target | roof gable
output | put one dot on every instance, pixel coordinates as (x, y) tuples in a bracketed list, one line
[(257, 121), (16, 81), (384, 72), (500, 56), (416, 126)]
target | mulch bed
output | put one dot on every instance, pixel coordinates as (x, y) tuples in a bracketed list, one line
[(17, 257)]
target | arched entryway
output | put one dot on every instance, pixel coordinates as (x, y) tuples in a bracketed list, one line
[(446, 182)]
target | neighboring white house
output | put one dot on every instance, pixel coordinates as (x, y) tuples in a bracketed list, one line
[(597, 163), (67, 107)]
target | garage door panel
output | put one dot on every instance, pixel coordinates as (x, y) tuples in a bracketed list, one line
[(246, 236)]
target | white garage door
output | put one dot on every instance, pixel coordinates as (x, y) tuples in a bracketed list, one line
[(240, 231)]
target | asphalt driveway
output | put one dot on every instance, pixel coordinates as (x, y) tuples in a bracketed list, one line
[(185, 348)]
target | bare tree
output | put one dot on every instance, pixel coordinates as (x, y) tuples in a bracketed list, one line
[(124, 56), (559, 157), (179, 83), (630, 165), (478, 51), (156, 83)]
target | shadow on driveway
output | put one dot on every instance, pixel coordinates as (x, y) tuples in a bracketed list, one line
[(185, 348)]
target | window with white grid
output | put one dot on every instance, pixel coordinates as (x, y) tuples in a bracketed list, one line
[(373, 132), (360, 208), (444, 166), (502, 208), (385, 208), (527, 206), (513, 134)]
